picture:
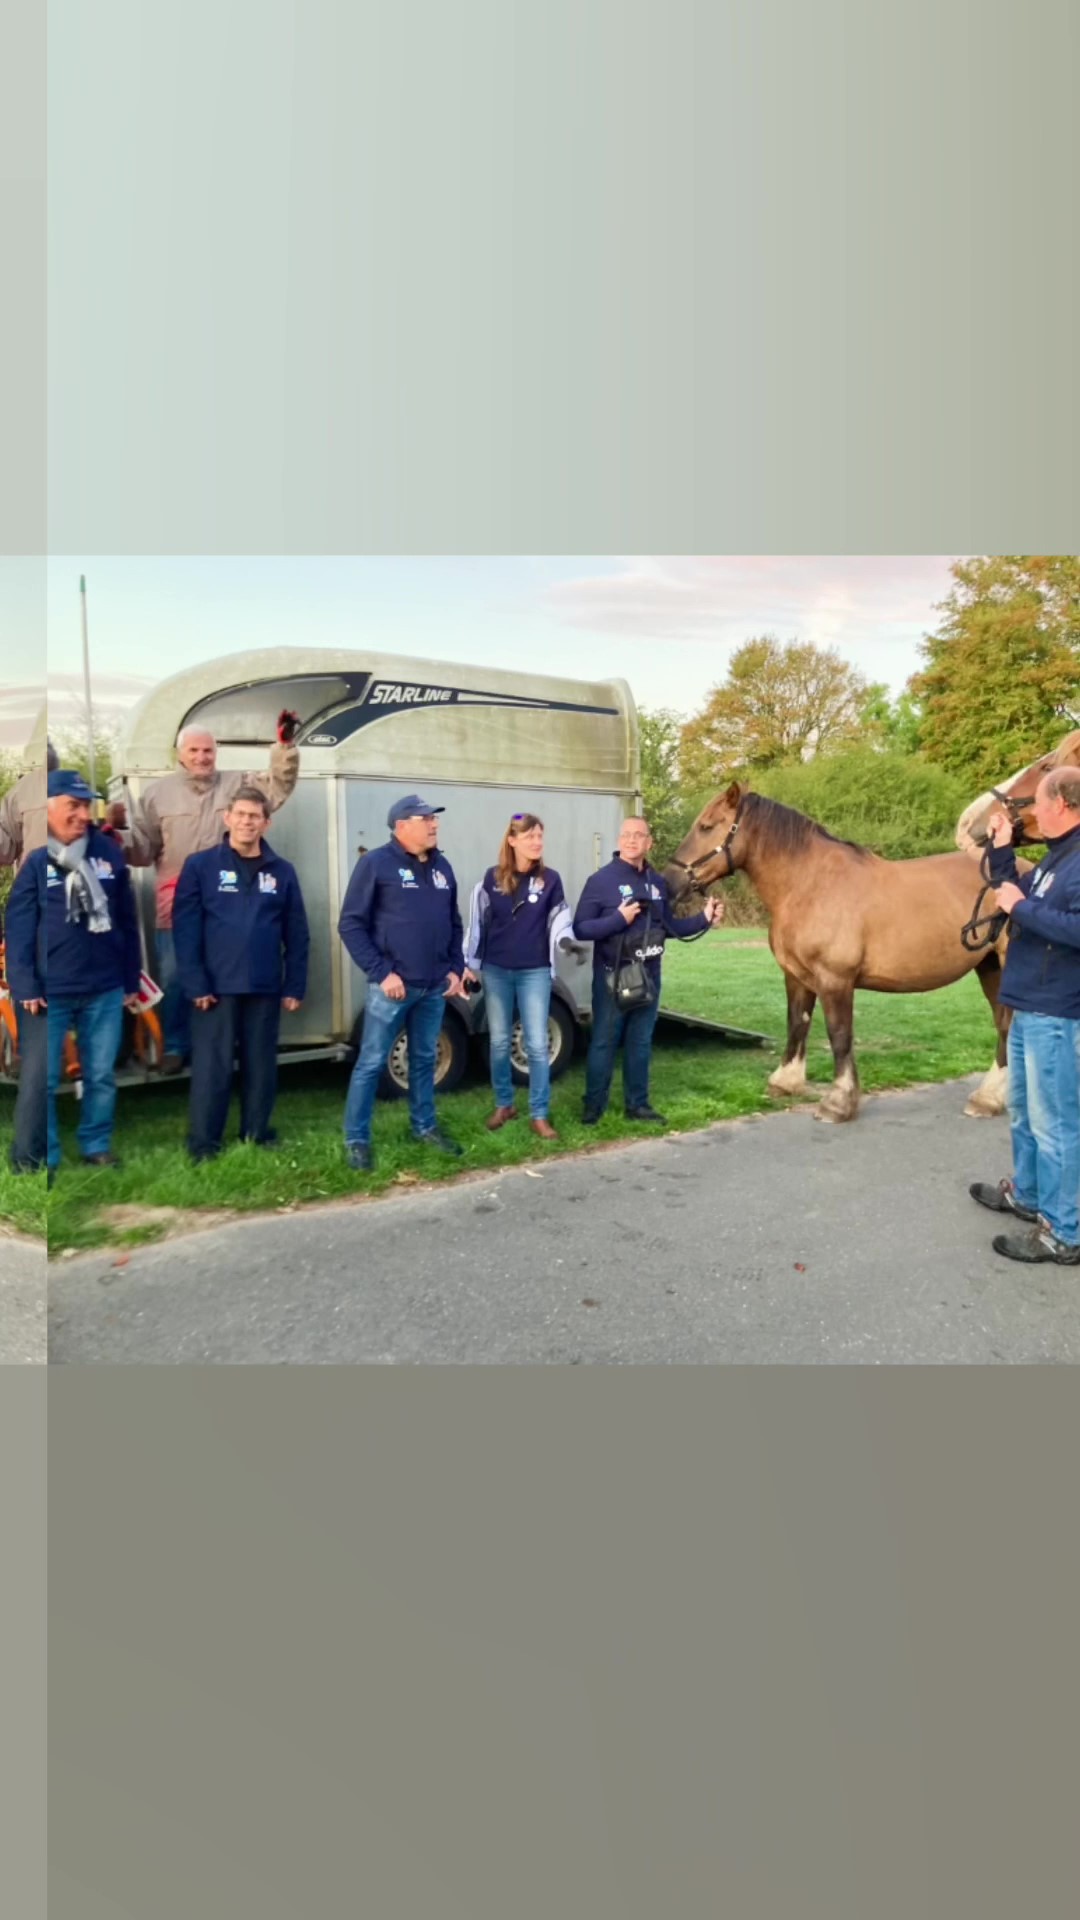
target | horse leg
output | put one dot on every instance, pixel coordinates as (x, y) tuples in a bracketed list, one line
[(790, 1075), (842, 1100), (988, 1098)]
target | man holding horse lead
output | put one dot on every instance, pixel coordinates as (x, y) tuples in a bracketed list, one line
[(612, 903), (1041, 983)]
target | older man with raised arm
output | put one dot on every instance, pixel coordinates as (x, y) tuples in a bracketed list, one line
[(22, 812), (182, 813)]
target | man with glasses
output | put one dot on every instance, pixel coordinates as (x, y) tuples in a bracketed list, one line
[(628, 892), (401, 925)]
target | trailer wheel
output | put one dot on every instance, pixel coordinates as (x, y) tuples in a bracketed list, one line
[(561, 1040)]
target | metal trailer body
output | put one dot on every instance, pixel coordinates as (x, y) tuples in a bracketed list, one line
[(482, 742)]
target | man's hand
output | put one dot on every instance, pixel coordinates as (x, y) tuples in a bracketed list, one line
[(290, 1005), (206, 1001), (116, 816), (1000, 828), (575, 947), (630, 910), (393, 986), (453, 986), (713, 910), (1008, 895), (288, 726), (34, 1006), (132, 1003)]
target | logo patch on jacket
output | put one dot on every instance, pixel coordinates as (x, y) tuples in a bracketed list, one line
[(1044, 883), (655, 892), (408, 878), (439, 880), (103, 868), (226, 880), (627, 892), (268, 883), (55, 878)]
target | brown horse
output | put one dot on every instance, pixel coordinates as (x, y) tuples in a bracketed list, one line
[(1018, 792), (840, 918)]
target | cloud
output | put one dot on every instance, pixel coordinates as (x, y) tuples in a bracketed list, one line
[(114, 694), (833, 601), (19, 708)]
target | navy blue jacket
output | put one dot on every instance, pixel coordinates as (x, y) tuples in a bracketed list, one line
[(516, 931), (598, 917), (235, 937), (48, 955), (400, 915), (1042, 961)]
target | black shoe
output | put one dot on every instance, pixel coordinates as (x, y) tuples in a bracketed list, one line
[(267, 1139), (171, 1063), (50, 1177), (435, 1137), (645, 1113), (1039, 1244), (26, 1166), (360, 1157), (100, 1160), (1001, 1199), (199, 1154), (590, 1118)]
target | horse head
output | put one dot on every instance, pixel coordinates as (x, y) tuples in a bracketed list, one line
[(711, 850), (1017, 795)]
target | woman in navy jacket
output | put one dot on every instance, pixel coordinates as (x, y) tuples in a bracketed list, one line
[(518, 920)]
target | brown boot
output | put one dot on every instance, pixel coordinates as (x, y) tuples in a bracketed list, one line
[(544, 1128), (500, 1117)]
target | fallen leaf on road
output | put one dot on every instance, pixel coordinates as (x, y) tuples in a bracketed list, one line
[(590, 1303), (799, 1268), (531, 1173), (121, 1260), (406, 1179)]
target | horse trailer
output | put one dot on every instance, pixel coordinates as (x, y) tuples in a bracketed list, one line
[(482, 742)]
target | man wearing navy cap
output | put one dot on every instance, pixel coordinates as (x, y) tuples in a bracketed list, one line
[(401, 925), (73, 960)]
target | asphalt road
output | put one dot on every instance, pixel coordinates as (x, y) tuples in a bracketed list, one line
[(774, 1239), (22, 1301)]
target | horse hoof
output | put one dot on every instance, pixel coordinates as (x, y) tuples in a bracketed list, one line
[(983, 1110), (836, 1114)]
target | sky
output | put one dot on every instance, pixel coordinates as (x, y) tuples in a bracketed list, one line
[(666, 624)]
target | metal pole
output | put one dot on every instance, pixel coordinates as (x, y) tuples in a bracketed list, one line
[(86, 677)]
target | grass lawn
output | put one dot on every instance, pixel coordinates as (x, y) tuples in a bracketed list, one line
[(697, 1078)]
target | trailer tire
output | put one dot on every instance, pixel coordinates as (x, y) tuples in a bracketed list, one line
[(451, 1059)]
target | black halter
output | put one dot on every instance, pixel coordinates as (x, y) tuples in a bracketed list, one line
[(984, 930), (690, 867)]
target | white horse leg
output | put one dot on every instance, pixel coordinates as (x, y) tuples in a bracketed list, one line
[(988, 1099)]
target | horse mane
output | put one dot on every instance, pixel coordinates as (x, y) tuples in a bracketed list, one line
[(784, 830)]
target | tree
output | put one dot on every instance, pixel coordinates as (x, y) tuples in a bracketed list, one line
[(1005, 658), (778, 703), (73, 746), (669, 807)]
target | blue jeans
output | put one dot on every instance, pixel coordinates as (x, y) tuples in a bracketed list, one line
[(175, 1010), (610, 1028), (531, 987), (421, 1014), (98, 1020), (1044, 1114)]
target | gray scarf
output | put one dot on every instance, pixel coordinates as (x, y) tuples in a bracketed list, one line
[(84, 895)]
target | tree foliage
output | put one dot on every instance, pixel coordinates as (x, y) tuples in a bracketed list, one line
[(778, 703), (898, 804), (1005, 657), (670, 805)]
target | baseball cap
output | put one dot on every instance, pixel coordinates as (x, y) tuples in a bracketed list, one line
[(408, 808), (67, 783)]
